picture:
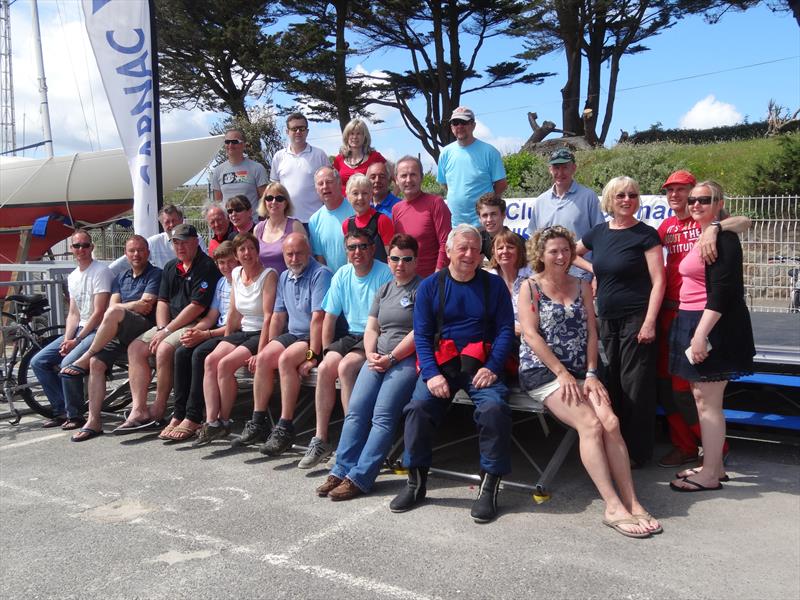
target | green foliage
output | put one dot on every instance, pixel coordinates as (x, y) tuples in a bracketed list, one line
[(431, 186), (649, 165), (519, 164), (261, 131), (742, 131), (781, 173), (191, 198)]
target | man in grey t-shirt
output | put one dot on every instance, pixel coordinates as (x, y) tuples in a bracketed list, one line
[(238, 174)]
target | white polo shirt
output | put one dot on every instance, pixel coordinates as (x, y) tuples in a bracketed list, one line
[(296, 173)]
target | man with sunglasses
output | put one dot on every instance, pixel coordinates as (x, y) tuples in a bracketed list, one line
[(678, 234), (89, 287), (239, 174), (295, 165), (352, 290), (567, 203), (469, 168)]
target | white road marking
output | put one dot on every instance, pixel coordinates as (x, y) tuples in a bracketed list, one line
[(334, 529), (34, 441)]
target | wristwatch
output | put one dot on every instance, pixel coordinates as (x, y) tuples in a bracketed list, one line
[(717, 224), (311, 355), (392, 359)]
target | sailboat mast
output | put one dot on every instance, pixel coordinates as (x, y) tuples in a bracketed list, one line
[(44, 108), (8, 131)]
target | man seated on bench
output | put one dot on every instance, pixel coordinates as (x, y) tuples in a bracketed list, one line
[(352, 290), (133, 298), (186, 291), (298, 304), (463, 329)]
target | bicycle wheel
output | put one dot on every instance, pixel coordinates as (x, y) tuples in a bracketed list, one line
[(118, 390), (31, 391)]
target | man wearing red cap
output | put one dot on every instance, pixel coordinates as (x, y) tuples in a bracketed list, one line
[(678, 234)]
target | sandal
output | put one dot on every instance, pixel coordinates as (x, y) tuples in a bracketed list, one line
[(164, 435), (72, 424), (646, 516), (181, 434), (694, 471), (616, 525)]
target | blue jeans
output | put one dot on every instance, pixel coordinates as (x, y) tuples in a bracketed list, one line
[(64, 393), (425, 412), (372, 416)]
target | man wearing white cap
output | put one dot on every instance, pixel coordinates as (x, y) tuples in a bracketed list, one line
[(469, 168)]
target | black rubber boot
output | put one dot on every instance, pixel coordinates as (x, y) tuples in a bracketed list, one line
[(484, 509), (414, 492)]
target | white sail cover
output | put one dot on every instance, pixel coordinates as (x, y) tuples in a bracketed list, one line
[(119, 31)]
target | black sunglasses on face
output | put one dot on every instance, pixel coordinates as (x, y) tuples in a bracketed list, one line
[(233, 142), (299, 129), (81, 246), (701, 199), (361, 246), (272, 198), (457, 122), (405, 259), (237, 209)]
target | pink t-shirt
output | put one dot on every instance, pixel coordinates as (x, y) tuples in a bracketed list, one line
[(345, 170), (693, 275), (678, 236)]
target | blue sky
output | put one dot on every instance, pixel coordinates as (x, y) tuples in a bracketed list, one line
[(726, 95)]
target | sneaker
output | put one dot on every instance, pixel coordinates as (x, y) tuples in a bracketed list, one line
[(675, 458), (278, 442), (253, 433), (209, 433), (316, 453)]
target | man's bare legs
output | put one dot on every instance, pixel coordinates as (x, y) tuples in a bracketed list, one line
[(264, 377), (325, 394), (107, 331), (139, 375), (165, 363), (97, 393), (288, 364)]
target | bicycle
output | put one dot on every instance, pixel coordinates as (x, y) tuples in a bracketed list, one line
[(22, 338), (794, 280)]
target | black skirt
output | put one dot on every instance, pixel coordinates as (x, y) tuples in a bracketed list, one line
[(727, 360)]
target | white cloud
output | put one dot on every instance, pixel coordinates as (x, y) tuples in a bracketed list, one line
[(710, 112), (504, 144)]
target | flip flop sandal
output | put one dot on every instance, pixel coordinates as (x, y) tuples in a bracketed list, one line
[(646, 516), (78, 371), (87, 434), (72, 424), (696, 487), (615, 525), (690, 472)]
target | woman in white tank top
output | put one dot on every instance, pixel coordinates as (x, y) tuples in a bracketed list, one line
[(247, 331)]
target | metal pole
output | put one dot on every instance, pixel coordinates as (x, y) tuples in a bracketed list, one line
[(43, 106)]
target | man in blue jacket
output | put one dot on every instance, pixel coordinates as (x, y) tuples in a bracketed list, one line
[(463, 329)]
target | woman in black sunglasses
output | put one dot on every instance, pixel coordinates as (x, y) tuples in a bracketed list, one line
[(275, 207), (711, 341)]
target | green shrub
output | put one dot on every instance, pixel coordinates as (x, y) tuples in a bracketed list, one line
[(517, 165), (431, 186), (781, 173), (650, 165), (742, 131)]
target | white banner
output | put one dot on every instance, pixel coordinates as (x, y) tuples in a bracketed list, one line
[(653, 210), (119, 31)]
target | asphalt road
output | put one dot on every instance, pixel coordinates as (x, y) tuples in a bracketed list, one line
[(135, 518)]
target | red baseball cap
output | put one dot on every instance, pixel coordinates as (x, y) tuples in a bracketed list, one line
[(680, 178)]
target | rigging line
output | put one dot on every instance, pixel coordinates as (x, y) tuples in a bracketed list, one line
[(75, 77), (89, 79)]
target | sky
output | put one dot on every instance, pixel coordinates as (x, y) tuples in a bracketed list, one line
[(694, 76)]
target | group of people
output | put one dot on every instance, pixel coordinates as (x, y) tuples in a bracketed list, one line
[(406, 300)]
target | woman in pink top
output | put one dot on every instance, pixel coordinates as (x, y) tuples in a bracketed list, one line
[(275, 207), (356, 153), (711, 341)]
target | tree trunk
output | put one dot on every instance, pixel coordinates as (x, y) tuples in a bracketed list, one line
[(594, 54), (569, 20), (610, 96), (340, 73)]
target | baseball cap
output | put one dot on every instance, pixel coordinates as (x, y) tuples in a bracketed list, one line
[(561, 157), (681, 178), (463, 113), (184, 231)]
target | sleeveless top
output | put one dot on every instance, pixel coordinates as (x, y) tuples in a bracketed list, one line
[(271, 253), (248, 299), (564, 329)]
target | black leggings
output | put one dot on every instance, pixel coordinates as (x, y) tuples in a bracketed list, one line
[(188, 380)]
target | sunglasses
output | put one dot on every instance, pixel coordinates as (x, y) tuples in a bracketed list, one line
[(272, 198), (233, 142), (701, 199), (405, 259), (81, 246), (237, 209), (631, 195), (457, 122), (353, 247), (299, 129)]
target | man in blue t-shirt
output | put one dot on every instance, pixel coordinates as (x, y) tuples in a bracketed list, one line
[(352, 290), (469, 168), (134, 294), (463, 331), (325, 225)]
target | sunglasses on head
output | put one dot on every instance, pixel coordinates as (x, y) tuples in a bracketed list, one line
[(405, 259), (701, 199), (233, 142), (457, 122), (81, 245), (272, 198), (631, 195), (361, 246), (236, 209)]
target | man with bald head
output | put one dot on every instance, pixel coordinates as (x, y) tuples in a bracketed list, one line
[(325, 225), (219, 226), (298, 310)]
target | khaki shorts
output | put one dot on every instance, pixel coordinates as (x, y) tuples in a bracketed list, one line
[(173, 339)]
